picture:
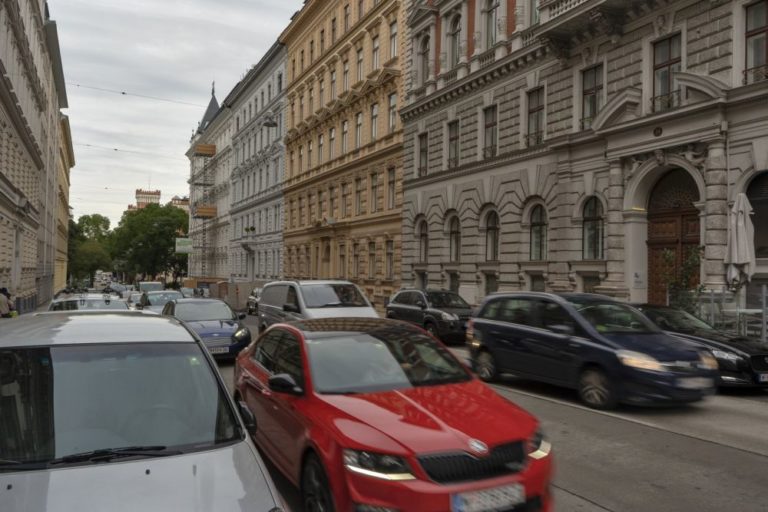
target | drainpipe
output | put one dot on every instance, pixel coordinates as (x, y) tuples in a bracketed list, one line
[(724, 132)]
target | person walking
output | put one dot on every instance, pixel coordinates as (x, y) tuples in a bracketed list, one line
[(5, 303)]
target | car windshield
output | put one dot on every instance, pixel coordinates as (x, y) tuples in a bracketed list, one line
[(160, 299), (332, 295), (381, 360), (66, 400), (81, 304), (150, 287), (203, 311), (134, 297), (613, 317), (446, 300), (676, 320)]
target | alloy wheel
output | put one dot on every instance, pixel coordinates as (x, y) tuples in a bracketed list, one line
[(595, 389), (486, 367), (314, 488)]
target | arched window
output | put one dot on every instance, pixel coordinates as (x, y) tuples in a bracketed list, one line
[(423, 232), (592, 229), (455, 240), (538, 233), (492, 237), (424, 60), (454, 36), (491, 17), (757, 193)]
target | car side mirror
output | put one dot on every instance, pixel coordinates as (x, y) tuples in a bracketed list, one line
[(561, 329), (248, 418), (139, 306), (241, 316), (284, 383), (421, 304), (290, 308)]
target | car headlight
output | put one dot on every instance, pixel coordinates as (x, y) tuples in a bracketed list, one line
[(377, 465), (241, 334), (537, 446), (448, 317), (639, 360), (709, 362)]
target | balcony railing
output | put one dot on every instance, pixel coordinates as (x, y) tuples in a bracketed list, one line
[(550, 10), (534, 139), (756, 74), (422, 171), (489, 151), (453, 162), (487, 58), (586, 123), (665, 102), (451, 76), (419, 93)]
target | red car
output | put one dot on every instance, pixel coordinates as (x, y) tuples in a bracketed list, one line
[(375, 415)]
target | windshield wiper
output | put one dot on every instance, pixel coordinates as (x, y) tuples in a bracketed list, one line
[(108, 454), (341, 392), (443, 380)]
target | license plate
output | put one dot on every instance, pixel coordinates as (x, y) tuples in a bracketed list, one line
[(695, 383), (498, 498), (763, 377), (218, 350)]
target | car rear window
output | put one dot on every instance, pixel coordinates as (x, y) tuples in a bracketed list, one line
[(342, 295)]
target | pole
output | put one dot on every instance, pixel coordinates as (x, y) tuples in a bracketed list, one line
[(763, 316)]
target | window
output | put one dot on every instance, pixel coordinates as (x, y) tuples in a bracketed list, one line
[(301, 60), (492, 237), (538, 233), (301, 158), (356, 261), (423, 154), (309, 155), (489, 135), (321, 92), (757, 193), (344, 135), (390, 263), (757, 43), (591, 94), (374, 120), (279, 82), (375, 52), (311, 93), (333, 30), (391, 189), (423, 233), (311, 52), (331, 202), (331, 142), (454, 240), (535, 117), (453, 144), (322, 40), (359, 196), (360, 66), (320, 204), (491, 283), (491, 20), (371, 260), (360, 9), (358, 129), (666, 61), (346, 17), (301, 107), (374, 193), (392, 124), (288, 354), (393, 39), (593, 229), (301, 211), (424, 60), (537, 283), (345, 75), (454, 39), (344, 200), (342, 270), (333, 84), (319, 149)]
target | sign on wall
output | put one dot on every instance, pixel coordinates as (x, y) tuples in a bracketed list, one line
[(183, 246)]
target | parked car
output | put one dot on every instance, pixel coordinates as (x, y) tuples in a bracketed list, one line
[(373, 414), (133, 299), (218, 326), (187, 292), (444, 314), (128, 399), (155, 301), (151, 286), (88, 301), (605, 349), (253, 301), (286, 301), (742, 361)]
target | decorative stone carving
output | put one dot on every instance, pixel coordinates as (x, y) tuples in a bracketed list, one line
[(501, 28), (697, 159), (660, 24), (660, 156)]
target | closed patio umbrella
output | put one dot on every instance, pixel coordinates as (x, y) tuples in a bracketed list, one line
[(740, 257)]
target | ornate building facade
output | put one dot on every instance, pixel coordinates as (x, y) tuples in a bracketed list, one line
[(258, 104), (66, 160), (577, 145), (342, 190), (32, 93)]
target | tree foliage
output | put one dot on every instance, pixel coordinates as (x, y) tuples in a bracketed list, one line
[(94, 226), (683, 288), (89, 256)]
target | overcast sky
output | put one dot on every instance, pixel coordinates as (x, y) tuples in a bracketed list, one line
[(168, 49)]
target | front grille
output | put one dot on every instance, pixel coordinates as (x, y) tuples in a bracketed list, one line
[(760, 363), (683, 366), (461, 466)]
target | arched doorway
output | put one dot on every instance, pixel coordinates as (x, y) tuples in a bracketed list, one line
[(673, 224)]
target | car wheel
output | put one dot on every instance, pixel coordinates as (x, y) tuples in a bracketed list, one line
[(431, 329), (485, 366), (596, 389), (315, 490)]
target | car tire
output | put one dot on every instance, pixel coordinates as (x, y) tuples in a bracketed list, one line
[(432, 329), (485, 367), (315, 490), (596, 389)]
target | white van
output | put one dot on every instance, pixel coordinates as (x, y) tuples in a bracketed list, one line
[(287, 301)]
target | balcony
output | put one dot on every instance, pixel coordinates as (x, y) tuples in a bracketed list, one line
[(756, 74), (451, 76), (204, 211), (563, 19), (487, 58), (665, 102)]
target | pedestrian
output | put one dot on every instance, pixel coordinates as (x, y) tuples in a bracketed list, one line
[(5, 303)]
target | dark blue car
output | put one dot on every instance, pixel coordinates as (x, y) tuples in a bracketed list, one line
[(221, 330), (607, 350)]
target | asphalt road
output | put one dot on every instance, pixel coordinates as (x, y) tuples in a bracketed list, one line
[(711, 456)]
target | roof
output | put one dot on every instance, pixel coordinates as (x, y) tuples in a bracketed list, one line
[(66, 328), (555, 296), (350, 325), (195, 300), (311, 281), (210, 112)]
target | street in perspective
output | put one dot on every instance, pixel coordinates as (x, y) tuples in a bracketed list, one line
[(384, 256)]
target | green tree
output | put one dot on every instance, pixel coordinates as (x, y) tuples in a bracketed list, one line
[(89, 256), (683, 288), (94, 226), (145, 240)]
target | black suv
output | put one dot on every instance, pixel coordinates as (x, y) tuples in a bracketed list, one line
[(607, 350), (442, 313)]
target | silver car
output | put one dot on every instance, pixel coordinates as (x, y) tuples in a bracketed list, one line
[(155, 301), (121, 411), (88, 301)]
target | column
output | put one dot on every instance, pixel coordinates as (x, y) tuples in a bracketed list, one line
[(443, 44), (715, 219), (463, 46), (432, 51), (614, 284)]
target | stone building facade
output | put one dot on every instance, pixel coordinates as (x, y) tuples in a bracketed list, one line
[(581, 143), (32, 93), (343, 187), (66, 160), (258, 104)]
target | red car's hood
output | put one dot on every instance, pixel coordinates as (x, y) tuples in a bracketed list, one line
[(428, 419)]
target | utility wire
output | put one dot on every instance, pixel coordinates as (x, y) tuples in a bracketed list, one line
[(123, 93), (94, 146)]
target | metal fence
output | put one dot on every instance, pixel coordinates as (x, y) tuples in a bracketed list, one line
[(724, 310)]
